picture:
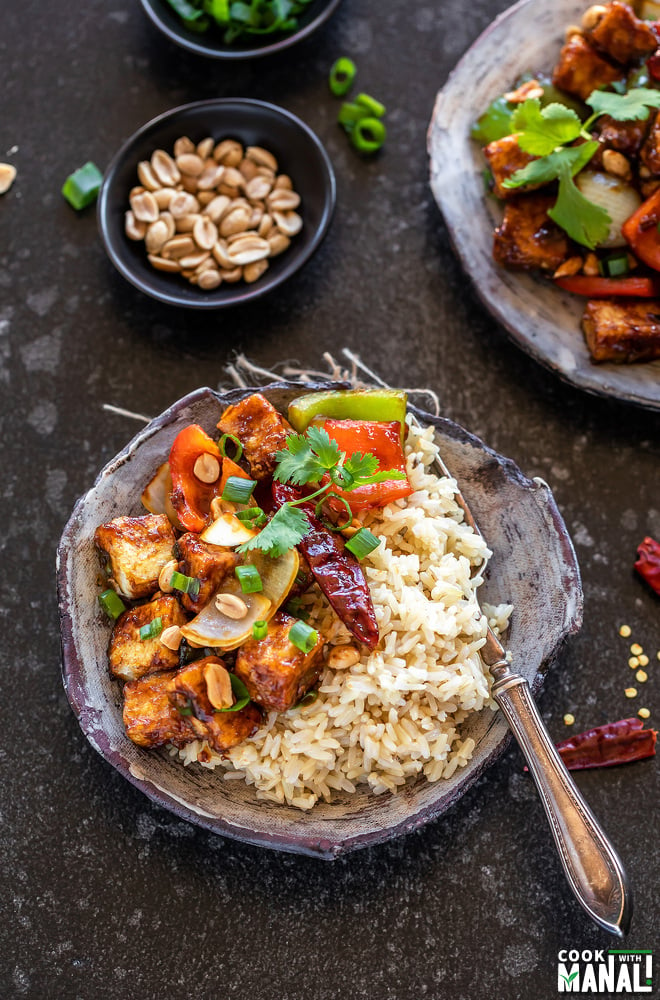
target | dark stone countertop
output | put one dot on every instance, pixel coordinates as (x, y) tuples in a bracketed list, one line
[(105, 895)]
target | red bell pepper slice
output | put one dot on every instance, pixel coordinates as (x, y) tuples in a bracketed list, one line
[(604, 746), (641, 231), (191, 498), (381, 439), (648, 563), (605, 288)]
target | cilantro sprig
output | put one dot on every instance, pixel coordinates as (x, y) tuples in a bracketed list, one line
[(547, 133), (309, 458)]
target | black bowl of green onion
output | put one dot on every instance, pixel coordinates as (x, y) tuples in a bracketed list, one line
[(224, 29)]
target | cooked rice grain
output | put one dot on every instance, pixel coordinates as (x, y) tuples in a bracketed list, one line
[(395, 714)]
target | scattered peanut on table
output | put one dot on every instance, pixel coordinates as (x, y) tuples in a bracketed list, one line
[(213, 212)]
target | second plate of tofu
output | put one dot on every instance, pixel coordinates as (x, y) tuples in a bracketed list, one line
[(543, 320)]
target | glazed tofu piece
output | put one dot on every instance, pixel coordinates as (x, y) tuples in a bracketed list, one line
[(136, 549), (189, 689), (504, 157), (528, 238), (650, 152), (210, 564), (276, 673), (581, 69), (618, 33), (150, 718), (261, 430), (623, 137), (622, 331), (131, 657)]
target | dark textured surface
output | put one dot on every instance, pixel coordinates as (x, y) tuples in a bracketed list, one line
[(104, 895)]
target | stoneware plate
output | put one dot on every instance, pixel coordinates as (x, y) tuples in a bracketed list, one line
[(534, 567), (544, 321)]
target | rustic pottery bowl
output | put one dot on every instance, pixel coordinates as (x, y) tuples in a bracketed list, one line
[(299, 153), (541, 319), (534, 567), (210, 43)]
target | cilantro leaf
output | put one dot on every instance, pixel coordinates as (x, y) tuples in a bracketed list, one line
[(548, 168), (633, 106), (360, 465), (541, 130), (286, 528), (584, 222), (326, 449), (298, 467), (384, 476)]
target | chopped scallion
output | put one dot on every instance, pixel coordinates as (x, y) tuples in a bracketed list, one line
[(350, 114), (374, 108), (82, 186), (222, 445), (185, 709), (368, 135), (249, 578), (252, 516), (112, 603), (362, 543), (307, 699), (303, 636), (260, 630), (186, 584), (238, 490), (295, 608), (241, 694), (615, 265), (334, 527), (342, 75), (152, 629)]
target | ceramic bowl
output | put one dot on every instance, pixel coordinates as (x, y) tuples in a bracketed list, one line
[(533, 567), (210, 43), (541, 319), (299, 153)]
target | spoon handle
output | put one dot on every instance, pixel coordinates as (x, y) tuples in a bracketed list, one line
[(594, 872)]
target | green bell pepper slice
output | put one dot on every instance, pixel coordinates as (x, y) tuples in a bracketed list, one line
[(349, 404)]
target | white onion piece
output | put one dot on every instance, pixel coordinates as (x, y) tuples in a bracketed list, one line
[(228, 530), (616, 196), (156, 496), (650, 11)]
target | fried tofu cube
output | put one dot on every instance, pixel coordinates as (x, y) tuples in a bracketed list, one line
[(260, 428), (622, 331), (528, 238), (131, 657), (650, 152), (150, 718), (210, 564), (136, 548), (276, 673), (581, 70), (620, 34), (623, 137), (223, 730), (505, 157)]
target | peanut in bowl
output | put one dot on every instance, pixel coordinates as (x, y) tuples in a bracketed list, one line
[(135, 192)]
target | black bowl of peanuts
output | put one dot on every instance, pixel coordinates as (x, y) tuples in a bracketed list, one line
[(216, 203)]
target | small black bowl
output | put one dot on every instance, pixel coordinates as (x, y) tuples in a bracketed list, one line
[(254, 123), (210, 43)]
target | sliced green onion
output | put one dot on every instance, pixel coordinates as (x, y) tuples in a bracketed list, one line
[(253, 516), (249, 578), (371, 105), (260, 630), (342, 74), (112, 603), (152, 629), (185, 709), (362, 543), (329, 524), (240, 692), (222, 445), (82, 186), (368, 135), (219, 11), (295, 608), (186, 584), (301, 578), (307, 699), (350, 114), (303, 636), (238, 490), (615, 265)]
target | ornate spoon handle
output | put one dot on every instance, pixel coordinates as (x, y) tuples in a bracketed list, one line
[(594, 872)]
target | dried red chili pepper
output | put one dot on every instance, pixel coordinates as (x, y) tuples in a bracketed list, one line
[(604, 746), (337, 572), (648, 563)]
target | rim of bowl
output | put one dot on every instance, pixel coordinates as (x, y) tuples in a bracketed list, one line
[(183, 38), (240, 292)]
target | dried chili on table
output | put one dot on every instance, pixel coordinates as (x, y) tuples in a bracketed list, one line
[(648, 563), (604, 746)]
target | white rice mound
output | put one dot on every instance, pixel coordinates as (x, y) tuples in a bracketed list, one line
[(397, 712)]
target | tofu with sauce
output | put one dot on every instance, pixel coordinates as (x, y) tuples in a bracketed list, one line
[(581, 69), (527, 237), (150, 718), (505, 157), (622, 331), (131, 657), (222, 730), (260, 428), (621, 35), (210, 564), (136, 549), (276, 673)]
